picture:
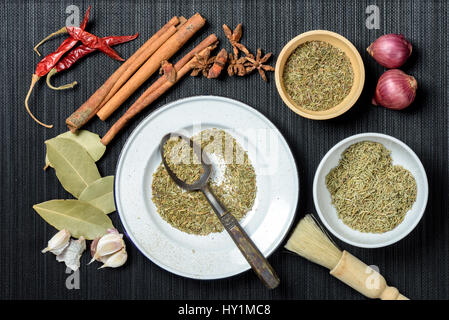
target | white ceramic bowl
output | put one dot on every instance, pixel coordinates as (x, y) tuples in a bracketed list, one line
[(401, 155)]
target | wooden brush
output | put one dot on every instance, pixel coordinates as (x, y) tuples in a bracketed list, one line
[(311, 242)]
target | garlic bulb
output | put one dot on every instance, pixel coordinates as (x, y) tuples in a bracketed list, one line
[(58, 242), (115, 260)]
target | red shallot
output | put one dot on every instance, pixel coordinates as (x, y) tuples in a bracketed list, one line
[(390, 50), (395, 90)]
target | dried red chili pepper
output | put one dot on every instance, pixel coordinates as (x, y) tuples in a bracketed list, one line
[(63, 30), (76, 34), (92, 41), (46, 64), (76, 54)]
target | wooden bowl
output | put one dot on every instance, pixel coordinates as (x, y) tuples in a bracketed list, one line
[(337, 41)]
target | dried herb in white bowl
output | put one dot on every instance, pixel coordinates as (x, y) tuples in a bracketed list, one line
[(369, 193)]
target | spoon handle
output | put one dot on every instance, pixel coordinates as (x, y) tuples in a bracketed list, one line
[(252, 254), (249, 250)]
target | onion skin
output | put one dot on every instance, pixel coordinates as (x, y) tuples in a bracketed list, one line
[(395, 90), (390, 50)]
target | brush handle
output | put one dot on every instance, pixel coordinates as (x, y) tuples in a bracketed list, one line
[(252, 254), (364, 279)]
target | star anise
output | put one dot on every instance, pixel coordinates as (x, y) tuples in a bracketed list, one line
[(236, 65), (233, 36), (202, 64), (258, 63)]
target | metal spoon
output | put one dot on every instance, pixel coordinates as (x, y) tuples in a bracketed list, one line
[(249, 250)]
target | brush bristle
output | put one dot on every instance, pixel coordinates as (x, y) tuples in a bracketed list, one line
[(309, 241)]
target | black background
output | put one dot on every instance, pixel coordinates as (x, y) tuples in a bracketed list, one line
[(418, 265)]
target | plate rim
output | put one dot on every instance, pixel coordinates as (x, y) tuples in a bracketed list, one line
[(194, 98)]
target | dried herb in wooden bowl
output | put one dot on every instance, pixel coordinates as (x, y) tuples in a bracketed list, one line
[(233, 181), (318, 76), (369, 193)]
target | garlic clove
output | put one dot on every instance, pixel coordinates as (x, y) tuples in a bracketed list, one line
[(115, 260), (58, 242), (60, 250), (93, 246), (108, 244), (72, 254)]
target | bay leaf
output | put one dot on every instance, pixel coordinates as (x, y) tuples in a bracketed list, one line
[(74, 167), (79, 217), (100, 194), (90, 141)]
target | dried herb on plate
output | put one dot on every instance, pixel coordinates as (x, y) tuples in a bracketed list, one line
[(233, 181), (318, 76), (80, 218), (182, 160), (369, 193)]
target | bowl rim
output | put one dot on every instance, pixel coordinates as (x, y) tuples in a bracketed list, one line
[(425, 187), (336, 110)]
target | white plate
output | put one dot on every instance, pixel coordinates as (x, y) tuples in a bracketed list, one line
[(402, 155), (213, 256)]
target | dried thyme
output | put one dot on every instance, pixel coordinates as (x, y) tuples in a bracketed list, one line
[(233, 181), (182, 160), (369, 193), (318, 76)]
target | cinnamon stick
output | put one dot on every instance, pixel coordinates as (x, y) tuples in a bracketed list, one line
[(138, 107), (142, 58), (210, 41), (137, 63), (89, 108), (167, 50)]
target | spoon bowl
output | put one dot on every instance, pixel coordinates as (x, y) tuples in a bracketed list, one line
[(205, 162)]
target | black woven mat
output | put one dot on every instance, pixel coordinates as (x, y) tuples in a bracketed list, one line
[(417, 265)]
